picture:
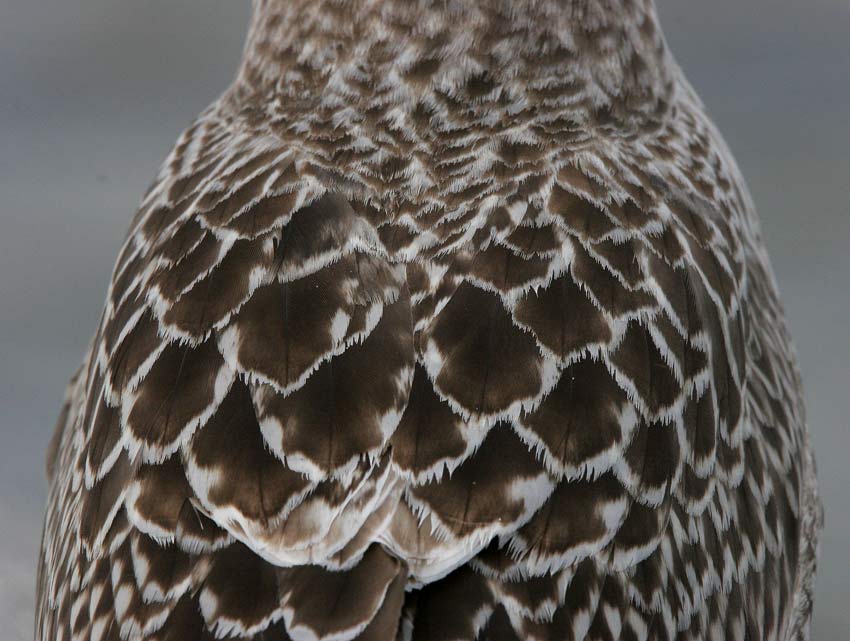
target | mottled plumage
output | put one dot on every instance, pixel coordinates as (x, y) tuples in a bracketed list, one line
[(449, 321)]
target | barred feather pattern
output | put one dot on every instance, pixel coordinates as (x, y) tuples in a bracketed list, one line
[(428, 338)]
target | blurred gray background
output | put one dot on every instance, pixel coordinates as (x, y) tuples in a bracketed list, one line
[(93, 94)]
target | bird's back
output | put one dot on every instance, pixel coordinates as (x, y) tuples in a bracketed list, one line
[(415, 350)]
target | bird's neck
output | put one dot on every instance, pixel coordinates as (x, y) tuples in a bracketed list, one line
[(613, 50)]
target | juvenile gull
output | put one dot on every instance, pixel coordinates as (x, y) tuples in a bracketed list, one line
[(449, 321)]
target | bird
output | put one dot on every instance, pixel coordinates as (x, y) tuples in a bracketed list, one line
[(450, 320)]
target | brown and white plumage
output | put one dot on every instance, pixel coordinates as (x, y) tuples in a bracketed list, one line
[(448, 321)]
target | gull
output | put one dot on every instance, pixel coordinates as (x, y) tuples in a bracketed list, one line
[(450, 320)]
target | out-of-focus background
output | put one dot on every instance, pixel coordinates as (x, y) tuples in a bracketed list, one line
[(93, 93)]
